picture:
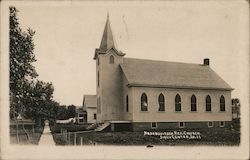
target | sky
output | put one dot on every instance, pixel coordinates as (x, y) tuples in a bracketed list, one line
[(68, 32)]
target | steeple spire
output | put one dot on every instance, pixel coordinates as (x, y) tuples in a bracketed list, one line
[(108, 41), (107, 38)]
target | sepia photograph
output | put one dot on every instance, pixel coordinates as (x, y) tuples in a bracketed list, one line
[(125, 79)]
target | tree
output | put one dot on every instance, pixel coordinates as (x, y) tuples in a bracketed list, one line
[(236, 106), (21, 48), (61, 112), (39, 100), (28, 96), (71, 111)]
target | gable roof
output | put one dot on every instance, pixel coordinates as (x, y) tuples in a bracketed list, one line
[(98, 51), (150, 73), (89, 101)]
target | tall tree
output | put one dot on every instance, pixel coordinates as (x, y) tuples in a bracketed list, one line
[(28, 96), (21, 48)]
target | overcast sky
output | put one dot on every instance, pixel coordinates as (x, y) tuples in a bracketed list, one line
[(67, 34)]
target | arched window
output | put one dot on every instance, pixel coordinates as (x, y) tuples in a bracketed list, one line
[(111, 59), (127, 103), (208, 103), (222, 104), (161, 102), (193, 103), (177, 103), (144, 102)]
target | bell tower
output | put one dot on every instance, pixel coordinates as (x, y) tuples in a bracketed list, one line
[(108, 77)]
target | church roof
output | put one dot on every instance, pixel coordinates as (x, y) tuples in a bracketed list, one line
[(151, 73), (89, 101)]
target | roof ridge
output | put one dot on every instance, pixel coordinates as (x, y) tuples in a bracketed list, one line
[(140, 59)]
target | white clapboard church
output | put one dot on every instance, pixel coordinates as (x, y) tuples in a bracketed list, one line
[(138, 94)]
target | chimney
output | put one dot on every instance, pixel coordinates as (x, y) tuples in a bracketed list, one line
[(206, 61)]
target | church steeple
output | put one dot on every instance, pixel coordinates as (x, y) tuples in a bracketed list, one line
[(107, 37), (108, 41)]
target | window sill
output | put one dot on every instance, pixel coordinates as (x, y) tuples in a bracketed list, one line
[(178, 111), (208, 111), (144, 111), (193, 111), (161, 111), (222, 111)]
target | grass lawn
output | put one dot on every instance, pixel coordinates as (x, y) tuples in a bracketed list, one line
[(23, 139), (209, 137)]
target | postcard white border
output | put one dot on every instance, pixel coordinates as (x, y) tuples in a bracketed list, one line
[(118, 152)]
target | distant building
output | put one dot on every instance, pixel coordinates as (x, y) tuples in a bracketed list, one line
[(139, 94), (81, 115), (90, 104)]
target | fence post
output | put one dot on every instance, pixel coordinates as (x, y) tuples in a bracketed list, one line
[(74, 138), (17, 136), (81, 141), (33, 129), (69, 138), (63, 134), (66, 134)]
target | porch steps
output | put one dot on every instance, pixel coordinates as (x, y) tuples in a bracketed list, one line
[(103, 126), (92, 126)]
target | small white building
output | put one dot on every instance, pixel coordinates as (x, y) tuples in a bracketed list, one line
[(81, 115), (90, 104)]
